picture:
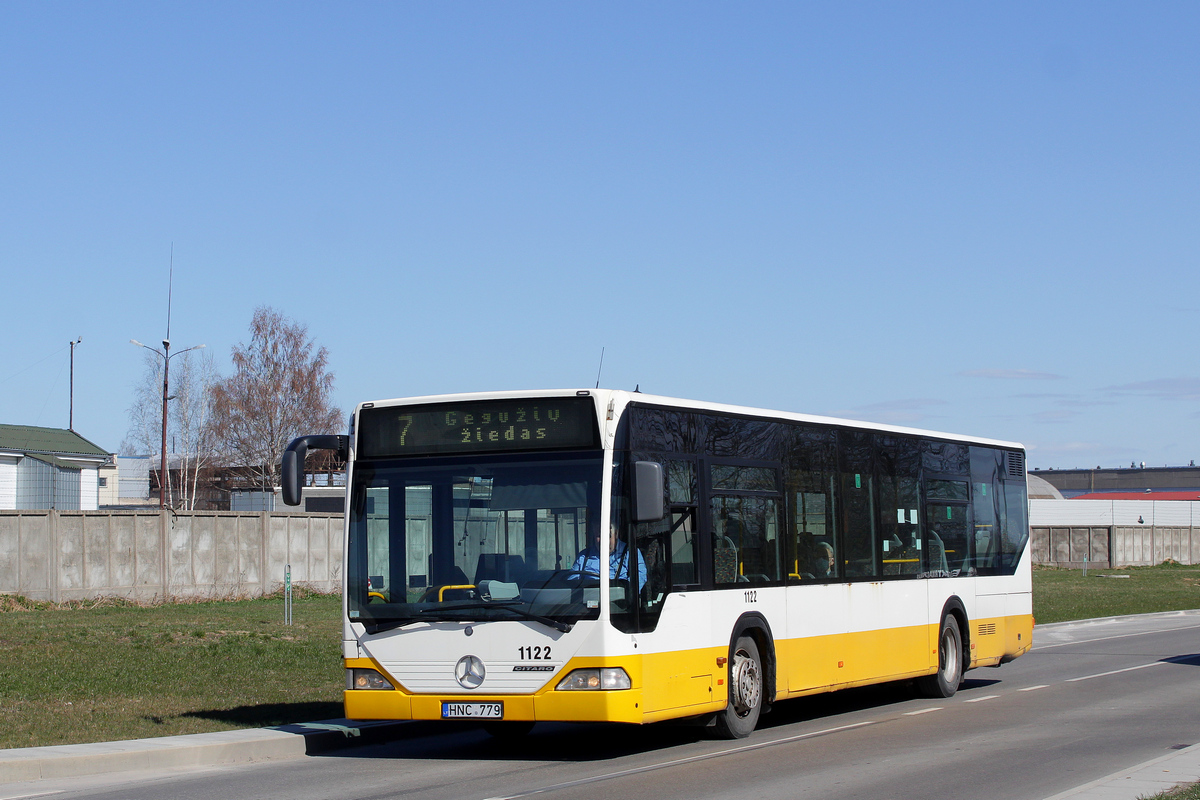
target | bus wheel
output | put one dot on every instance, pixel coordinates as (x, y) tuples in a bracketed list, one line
[(508, 730), (949, 675), (740, 717)]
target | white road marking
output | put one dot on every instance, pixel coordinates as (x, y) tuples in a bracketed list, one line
[(1034, 688), (692, 759), (1116, 671), (922, 711), (981, 699)]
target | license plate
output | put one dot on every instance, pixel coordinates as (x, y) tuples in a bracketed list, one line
[(472, 710)]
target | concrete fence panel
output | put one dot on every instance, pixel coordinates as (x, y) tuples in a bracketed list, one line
[(1101, 551), (1118, 546), (97, 549), (1081, 544), (147, 553), (49, 555), (246, 535), (123, 552), (1039, 545), (10, 549), (68, 536), (1060, 544)]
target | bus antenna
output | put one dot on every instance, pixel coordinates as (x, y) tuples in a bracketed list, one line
[(601, 368)]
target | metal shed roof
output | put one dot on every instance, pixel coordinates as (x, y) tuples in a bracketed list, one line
[(56, 441)]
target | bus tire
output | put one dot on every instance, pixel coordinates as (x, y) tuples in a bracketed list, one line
[(740, 717), (945, 682)]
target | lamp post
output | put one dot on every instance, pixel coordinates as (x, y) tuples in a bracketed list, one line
[(166, 355)]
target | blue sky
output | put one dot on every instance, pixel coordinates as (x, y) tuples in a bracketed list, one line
[(978, 218)]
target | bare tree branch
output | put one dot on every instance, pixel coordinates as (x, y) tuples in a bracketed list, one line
[(188, 432)]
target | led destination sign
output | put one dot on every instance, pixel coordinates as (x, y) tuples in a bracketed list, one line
[(544, 423)]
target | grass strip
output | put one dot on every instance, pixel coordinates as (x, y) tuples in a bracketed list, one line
[(108, 670), (104, 670), (1060, 595), (1190, 792)]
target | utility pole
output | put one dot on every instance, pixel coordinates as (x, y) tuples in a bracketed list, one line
[(71, 418), (166, 356), (163, 475), (165, 353)]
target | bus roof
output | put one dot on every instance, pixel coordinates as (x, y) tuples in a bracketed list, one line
[(623, 397)]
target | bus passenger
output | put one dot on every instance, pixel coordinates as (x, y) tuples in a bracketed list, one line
[(823, 565)]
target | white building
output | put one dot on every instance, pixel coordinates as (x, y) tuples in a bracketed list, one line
[(49, 468)]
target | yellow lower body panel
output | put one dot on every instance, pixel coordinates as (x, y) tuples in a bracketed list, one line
[(688, 683), (684, 683), (820, 663), (622, 706), (545, 705)]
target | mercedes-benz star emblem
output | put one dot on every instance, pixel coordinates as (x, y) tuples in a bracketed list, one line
[(469, 672)]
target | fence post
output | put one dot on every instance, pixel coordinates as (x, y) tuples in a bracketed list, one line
[(266, 581), (55, 558), (164, 555)]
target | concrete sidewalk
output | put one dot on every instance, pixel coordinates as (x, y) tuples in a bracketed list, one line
[(194, 750), (1144, 780)]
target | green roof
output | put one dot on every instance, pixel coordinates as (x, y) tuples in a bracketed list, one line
[(56, 441), (58, 462)]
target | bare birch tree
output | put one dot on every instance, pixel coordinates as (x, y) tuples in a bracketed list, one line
[(190, 411), (145, 412), (281, 389)]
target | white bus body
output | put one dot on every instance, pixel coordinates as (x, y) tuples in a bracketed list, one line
[(461, 601)]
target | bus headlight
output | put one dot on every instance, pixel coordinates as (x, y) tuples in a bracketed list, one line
[(595, 679), (366, 679)]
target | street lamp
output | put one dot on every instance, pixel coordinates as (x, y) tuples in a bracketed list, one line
[(166, 355)]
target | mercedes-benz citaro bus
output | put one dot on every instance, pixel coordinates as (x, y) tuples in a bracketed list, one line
[(596, 555)]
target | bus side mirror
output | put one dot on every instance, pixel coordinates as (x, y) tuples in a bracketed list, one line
[(648, 490), (292, 477), (292, 463)]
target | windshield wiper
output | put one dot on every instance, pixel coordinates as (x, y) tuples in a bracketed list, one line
[(389, 624), (564, 627)]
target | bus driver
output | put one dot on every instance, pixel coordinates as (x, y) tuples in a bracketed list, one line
[(588, 561)]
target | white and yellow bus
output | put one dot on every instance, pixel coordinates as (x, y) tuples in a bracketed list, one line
[(750, 556)]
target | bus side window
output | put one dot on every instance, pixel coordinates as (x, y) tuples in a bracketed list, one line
[(683, 547), (951, 541), (860, 549), (725, 549), (898, 468), (1016, 525), (811, 479), (810, 543), (745, 540), (987, 506)]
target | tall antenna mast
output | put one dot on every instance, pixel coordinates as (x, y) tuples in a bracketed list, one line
[(170, 281), (601, 368)]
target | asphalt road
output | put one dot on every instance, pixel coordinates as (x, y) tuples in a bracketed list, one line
[(1091, 699)]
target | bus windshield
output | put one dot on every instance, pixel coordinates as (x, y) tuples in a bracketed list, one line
[(472, 539)]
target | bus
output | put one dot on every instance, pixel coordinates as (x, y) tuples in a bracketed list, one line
[(608, 556)]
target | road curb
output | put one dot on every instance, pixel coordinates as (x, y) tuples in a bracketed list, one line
[(1187, 612), (193, 750), (1141, 780)]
